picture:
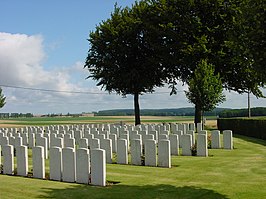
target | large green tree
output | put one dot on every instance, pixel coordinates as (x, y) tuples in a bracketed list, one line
[(2, 99), (121, 57), (195, 30), (205, 89)]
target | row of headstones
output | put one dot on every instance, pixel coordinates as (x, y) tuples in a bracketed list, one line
[(68, 165), (96, 140), (173, 127)]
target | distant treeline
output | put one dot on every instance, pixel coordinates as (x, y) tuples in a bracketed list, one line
[(219, 112), (158, 112), (258, 111), (15, 115)]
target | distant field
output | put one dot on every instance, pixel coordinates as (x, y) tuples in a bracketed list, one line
[(42, 121), (96, 119)]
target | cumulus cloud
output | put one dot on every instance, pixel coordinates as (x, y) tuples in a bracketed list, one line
[(21, 58)]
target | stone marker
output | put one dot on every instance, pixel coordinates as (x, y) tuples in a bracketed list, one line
[(164, 154), (38, 162), (57, 142), (31, 140), (95, 143), (83, 143), (69, 143), (199, 127), (56, 163), (22, 160), (107, 146), (202, 145), (228, 139), (113, 137), (8, 163), (136, 152), (98, 167), (25, 139), (186, 144), (150, 153), (122, 151), (174, 142), (215, 139), (42, 141), (82, 166), (4, 141), (68, 165), (192, 133)]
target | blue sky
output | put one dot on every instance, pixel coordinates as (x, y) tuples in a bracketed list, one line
[(43, 44)]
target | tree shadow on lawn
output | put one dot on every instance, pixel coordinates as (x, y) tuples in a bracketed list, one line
[(251, 139), (136, 192)]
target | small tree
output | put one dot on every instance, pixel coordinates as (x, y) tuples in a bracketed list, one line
[(205, 89), (2, 99)]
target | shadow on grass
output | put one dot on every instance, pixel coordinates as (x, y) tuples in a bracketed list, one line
[(136, 192), (251, 139)]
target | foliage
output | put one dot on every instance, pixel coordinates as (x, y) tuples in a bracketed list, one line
[(196, 30), (2, 99), (244, 126), (247, 41), (121, 58), (205, 89), (194, 149)]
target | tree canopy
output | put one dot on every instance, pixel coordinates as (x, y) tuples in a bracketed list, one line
[(157, 41), (198, 29), (121, 58)]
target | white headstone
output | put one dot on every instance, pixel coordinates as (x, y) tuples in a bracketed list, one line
[(107, 146), (55, 163), (164, 154), (8, 163), (22, 160), (228, 139), (95, 143), (113, 137), (199, 127), (136, 152), (215, 139), (31, 140), (186, 144), (174, 144), (83, 143), (82, 166), (202, 145), (122, 151), (38, 162), (69, 143), (98, 167), (68, 165), (150, 153)]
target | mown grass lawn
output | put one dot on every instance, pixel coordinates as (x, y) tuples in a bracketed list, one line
[(238, 173)]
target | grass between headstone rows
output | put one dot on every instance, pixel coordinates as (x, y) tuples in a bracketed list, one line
[(238, 173)]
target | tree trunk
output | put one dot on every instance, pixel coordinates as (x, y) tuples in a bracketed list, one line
[(137, 110), (198, 114)]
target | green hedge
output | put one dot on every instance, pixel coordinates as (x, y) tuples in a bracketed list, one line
[(253, 127)]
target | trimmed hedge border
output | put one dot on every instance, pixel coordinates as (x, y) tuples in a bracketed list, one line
[(251, 127)]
